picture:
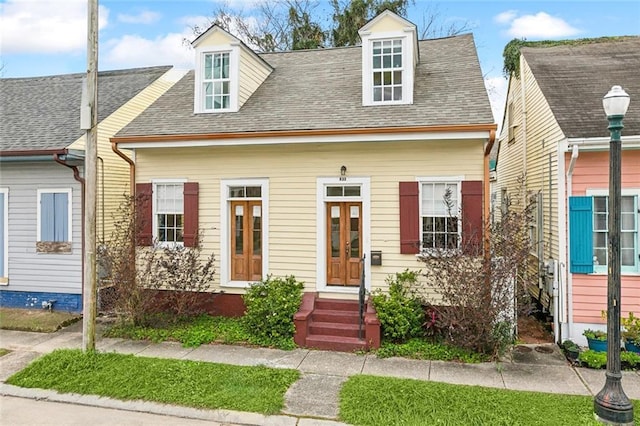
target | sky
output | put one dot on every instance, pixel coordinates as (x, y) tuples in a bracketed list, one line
[(48, 37)]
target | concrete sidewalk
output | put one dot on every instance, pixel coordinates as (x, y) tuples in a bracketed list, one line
[(313, 400)]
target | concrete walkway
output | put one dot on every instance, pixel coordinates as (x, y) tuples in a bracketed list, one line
[(313, 400)]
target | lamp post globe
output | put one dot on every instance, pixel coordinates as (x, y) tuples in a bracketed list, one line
[(611, 405)]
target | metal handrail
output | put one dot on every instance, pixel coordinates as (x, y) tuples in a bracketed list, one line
[(362, 293)]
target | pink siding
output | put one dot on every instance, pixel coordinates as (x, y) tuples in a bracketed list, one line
[(591, 171)]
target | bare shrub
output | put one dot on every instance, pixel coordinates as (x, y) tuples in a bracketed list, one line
[(477, 297), (137, 281)]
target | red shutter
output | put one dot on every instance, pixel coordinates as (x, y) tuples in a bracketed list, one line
[(472, 224), (409, 218), (191, 214), (144, 218)]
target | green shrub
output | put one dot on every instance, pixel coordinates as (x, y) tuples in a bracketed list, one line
[(595, 359), (400, 312), (271, 305)]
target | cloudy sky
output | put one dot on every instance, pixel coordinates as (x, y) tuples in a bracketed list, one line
[(45, 37)]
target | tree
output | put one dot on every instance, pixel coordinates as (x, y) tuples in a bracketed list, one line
[(305, 34), (350, 17)]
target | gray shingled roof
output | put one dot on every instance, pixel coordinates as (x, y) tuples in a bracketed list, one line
[(575, 78), (43, 113), (322, 89)]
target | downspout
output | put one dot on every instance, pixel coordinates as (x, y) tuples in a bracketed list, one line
[(487, 195), (132, 167), (77, 177), (569, 309)]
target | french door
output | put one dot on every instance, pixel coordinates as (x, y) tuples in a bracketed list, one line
[(246, 240), (344, 243)]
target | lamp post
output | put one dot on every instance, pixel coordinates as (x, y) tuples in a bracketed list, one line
[(611, 405)]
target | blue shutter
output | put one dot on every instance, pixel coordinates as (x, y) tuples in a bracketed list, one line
[(581, 235), (61, 212), (2, 235), (47, 218)]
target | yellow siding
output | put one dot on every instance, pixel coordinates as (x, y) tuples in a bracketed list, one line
[(216, 38), (115, 170), (293, 170), (540, 160), (387, 24), (252, 74)]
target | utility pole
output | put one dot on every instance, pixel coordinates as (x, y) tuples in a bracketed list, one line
[(91, 182)]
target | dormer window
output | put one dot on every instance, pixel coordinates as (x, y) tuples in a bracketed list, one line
[(389, 57), (216, 82), (387, 70)]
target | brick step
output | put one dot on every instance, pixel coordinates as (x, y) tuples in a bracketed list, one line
[(333, 316), (337, 305), (336, 343), (334, 329)]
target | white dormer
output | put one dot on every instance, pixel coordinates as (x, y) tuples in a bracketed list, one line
[(227, 72), (389, 58)]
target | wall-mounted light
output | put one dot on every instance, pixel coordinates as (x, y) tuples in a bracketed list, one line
[(343, 173)]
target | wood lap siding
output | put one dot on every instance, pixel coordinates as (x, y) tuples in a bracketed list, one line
[(409, 218)]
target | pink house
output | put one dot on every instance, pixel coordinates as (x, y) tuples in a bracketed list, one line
[(553, 149)]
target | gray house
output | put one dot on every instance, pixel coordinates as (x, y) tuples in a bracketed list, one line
[(41, 178)]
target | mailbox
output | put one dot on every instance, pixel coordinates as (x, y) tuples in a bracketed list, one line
[(376, 258)]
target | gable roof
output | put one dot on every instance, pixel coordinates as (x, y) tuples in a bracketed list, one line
[(43, 113), (575, 78), (322, 89)]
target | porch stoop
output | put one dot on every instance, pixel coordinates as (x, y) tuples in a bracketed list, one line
[(333, 324)]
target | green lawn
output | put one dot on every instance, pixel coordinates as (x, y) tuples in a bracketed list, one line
[(188, 383), (370, 400)]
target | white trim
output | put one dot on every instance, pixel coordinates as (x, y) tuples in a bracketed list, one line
[(248, 140), (234, 77), (225, 242), (602, 143), (154, 212), (440, 179), (4, 279), (635, 192), (321, 217), (408, 64), (563, 239), (69, 192)]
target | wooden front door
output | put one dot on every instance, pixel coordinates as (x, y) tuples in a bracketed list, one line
[(246, 240), (344, 243)]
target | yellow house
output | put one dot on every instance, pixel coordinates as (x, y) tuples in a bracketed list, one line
[(325, 164)]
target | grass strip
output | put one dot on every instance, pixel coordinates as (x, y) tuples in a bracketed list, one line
[(411, 402), (189, 383)]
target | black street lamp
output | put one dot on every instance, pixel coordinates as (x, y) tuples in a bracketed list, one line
[(611, 405)]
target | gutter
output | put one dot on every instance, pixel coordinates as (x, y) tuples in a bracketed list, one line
[(575, 151), (132, 166), (76, 176)]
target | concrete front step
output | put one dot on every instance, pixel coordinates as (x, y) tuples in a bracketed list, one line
[(336, 343), (335, 316), (334, 329)]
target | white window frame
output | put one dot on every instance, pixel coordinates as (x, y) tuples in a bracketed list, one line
[(457, 180), (321, 228), (154, 210), (225, 228), (4, 279), (69, 192), (625, 270), (408, 55), (234, 77)]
